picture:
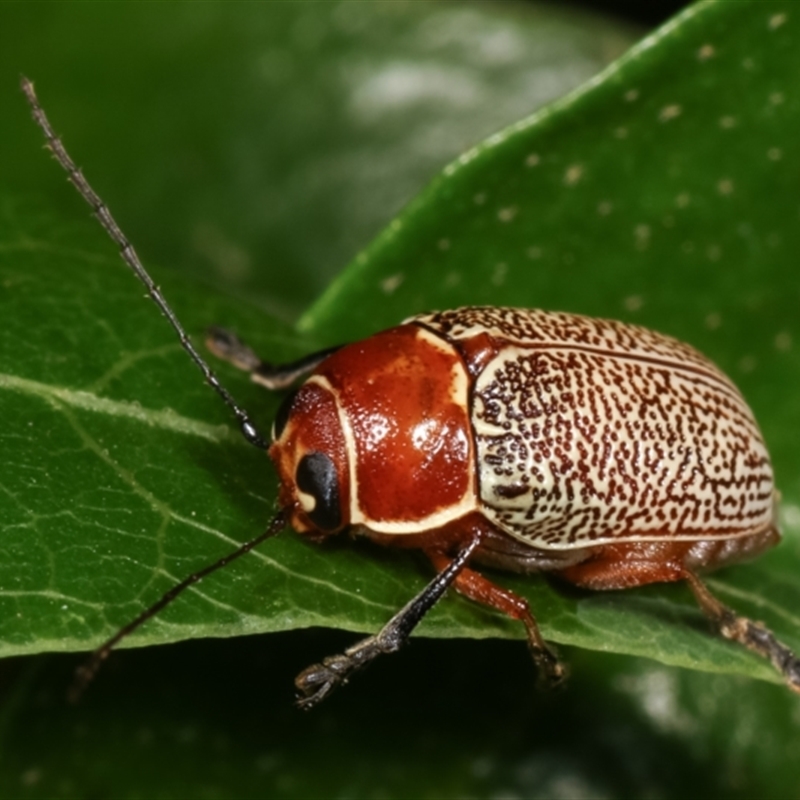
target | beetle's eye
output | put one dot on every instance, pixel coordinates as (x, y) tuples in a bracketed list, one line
[(282, 415), (316, 476)]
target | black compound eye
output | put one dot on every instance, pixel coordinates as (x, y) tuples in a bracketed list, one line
[(316, 476), (282, 415)]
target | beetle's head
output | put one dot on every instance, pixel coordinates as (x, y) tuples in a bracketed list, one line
[(378, 438), (309, 452)]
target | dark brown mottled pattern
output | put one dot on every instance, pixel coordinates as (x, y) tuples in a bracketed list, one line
[(590, 431)]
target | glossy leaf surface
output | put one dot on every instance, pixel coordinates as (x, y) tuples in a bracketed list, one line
[(674, 207)]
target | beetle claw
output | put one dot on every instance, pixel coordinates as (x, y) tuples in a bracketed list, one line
[(550, 672), (316, 682)]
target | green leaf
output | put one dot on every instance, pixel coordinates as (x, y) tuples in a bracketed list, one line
[(550, 197), (214, 142)]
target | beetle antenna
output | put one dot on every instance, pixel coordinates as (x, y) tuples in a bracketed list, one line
[(86, 672), (100, 209)]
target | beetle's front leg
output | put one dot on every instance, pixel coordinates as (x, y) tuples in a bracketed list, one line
[(319, 680), (226, 345)]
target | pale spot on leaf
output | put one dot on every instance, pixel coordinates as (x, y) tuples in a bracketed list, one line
[(390, 284), (573, 174), (705, 52), (725, 186), (669, 112), (499, 273), (633, 303), (776, 20), (507, 214), (790, 515), (604, 208), (641, 234), (31, 777), (783, 341), (747, 363)]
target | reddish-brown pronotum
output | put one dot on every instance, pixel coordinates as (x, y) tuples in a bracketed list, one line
[(530, 441)]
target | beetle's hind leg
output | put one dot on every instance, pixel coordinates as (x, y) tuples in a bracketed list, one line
[(226, 345), (471, 584), (753, 635)]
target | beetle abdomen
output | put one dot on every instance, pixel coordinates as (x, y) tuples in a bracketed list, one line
[(590, 431)]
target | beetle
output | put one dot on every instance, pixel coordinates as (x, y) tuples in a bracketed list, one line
[(605, 453)]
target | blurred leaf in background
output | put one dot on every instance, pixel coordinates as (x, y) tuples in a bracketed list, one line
[(257, 147)]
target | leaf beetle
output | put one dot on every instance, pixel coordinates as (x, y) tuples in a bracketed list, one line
[(525, 440)]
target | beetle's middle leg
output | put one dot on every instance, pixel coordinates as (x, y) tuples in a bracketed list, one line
[(226, 345), (480, 589)]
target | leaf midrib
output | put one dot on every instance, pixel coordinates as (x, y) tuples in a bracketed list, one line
[(166, 419)]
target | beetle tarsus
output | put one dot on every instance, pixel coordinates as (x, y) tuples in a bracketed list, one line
[(317, 681), (229, 347), (754, 636), (757, 637), (551, 672)]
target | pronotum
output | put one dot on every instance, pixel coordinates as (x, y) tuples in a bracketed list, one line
[(530, 441)]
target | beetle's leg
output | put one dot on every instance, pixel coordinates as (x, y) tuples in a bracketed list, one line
[(229, 347), (480, 589), (753, 635), (319, 680)]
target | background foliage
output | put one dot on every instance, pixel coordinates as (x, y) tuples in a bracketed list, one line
[(250, 151)]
